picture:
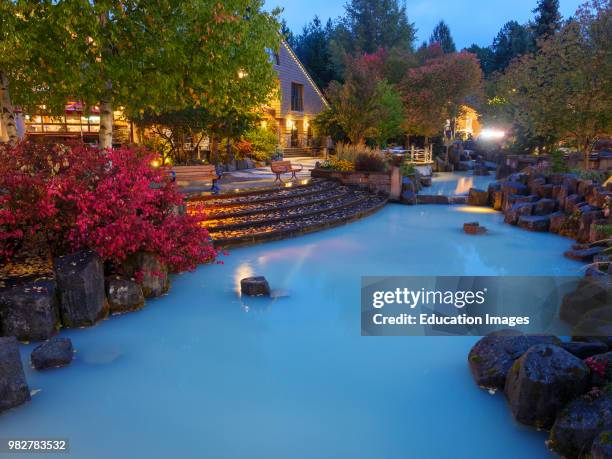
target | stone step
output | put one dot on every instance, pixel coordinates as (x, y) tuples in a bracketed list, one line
[(279, 194), (284, 203), (299, 225), (268, 217)]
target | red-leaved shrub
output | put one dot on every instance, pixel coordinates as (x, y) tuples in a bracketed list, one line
[(111, 201)]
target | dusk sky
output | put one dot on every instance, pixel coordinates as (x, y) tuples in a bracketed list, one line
[(471, 21)]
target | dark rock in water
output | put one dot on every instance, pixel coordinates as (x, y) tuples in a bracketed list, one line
[(497, 199), (584, 255), (255, 286), (535, 223), (542, 381), (80, 282), (544, 207), (585, 349), (123, 295), (29, 311), (57, 352), (432, 199), (426, 181), (474, 228), (13, 386), (516, 211), (492, 356), (478, 197), (557, 221), (579, 423), (408, 197), (602, 446), (149, 272), (592, 293)]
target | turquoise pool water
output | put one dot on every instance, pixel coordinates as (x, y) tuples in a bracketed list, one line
[(202, 374), (457, 183)]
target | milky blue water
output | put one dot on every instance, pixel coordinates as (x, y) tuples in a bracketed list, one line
[(457, 183), (202, 374)]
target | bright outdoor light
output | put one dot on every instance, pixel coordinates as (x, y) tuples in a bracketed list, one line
[(492, 134)]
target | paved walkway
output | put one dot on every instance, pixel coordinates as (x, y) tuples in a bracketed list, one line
[(258, 177)]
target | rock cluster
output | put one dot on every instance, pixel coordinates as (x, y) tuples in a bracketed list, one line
[(561, 387), (75, 294)]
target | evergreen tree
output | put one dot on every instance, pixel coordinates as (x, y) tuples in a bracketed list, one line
[(442, 35), (375, 24), (547, 20), (312, 47), (513, 40)]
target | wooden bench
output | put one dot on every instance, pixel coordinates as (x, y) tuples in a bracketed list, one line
[(197, 174), (285, 167)]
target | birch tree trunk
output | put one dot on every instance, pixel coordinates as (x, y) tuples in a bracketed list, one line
[(105, 136), (7, 113)]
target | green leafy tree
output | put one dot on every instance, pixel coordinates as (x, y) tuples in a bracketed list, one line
[(154, 55), (442, 35), (391, 113), (563, 91)]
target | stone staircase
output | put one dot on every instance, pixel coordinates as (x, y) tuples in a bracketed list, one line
[(298, 152), (247, 218)]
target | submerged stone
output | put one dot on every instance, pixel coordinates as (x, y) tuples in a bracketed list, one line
[(57, 352)]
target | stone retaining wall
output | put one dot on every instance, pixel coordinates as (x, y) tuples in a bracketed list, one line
[(377, 182)]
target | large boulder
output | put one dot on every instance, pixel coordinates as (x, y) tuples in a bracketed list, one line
[(586, 221), (602, 446), (572, 202), (585, 255), (513, 214), (545, 191), (29, 311), (13, 386), (542, 381), (150, 272), (538, 223), (80, 282), (478, 197), (591, 294), (492, 356), (408, 197), (123, 295), (579, 423), (57, 352), (255, 286), (557, 222), (544, 206), (510, 188), (585, 349)]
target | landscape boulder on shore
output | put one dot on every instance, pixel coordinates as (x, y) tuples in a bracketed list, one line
[(56, 352), (478, 197), (542, 381), (592, 293), (13, 386), (29, 311), (80, 282), (123, 295), (150, 272), (492, 356)]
